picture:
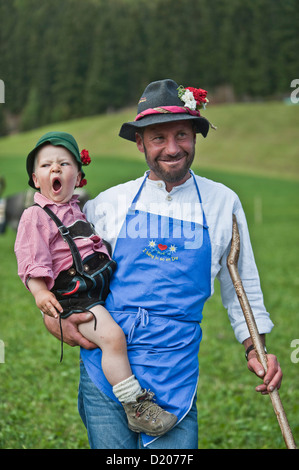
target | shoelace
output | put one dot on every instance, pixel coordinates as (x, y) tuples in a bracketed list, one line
[(146, 404)]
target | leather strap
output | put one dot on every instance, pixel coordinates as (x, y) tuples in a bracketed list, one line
[(67, 238)]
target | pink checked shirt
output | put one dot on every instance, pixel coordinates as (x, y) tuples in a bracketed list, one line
[(39, 247)]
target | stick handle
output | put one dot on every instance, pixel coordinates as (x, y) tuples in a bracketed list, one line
[(232, 262)]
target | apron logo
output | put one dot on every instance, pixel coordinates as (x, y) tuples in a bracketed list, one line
[(162, 247), (161, 252)]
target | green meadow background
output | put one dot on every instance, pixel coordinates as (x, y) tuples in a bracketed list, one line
[(255, 152)]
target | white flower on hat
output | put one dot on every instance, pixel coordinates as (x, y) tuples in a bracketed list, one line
[(189, 100)]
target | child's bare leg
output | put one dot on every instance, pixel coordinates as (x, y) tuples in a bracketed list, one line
[(111, 339)]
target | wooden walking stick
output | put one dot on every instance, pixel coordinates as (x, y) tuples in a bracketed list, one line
[(232, 264)]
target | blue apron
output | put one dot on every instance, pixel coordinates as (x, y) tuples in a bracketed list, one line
[(158, 291)]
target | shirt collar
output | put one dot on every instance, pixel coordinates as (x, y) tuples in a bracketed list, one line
[(161, 183), (44, 201)]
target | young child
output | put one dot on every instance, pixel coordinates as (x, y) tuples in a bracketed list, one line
[(67, 270)]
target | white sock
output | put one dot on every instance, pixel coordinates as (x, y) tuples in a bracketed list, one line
[(127, 390)]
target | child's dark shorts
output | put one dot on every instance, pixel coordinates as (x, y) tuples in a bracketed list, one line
[(80, 292)]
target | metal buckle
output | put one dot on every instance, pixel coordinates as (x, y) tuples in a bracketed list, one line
[(64, 231)]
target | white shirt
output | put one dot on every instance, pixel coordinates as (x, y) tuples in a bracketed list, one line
[(108, 212)]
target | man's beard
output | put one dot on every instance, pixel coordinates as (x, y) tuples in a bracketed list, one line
[(171, 175)]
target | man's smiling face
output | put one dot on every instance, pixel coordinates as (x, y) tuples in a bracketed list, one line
[(169, 150)]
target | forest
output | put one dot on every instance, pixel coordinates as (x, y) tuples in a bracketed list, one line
[(67, 59)]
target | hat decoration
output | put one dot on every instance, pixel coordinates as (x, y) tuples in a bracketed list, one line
[(193, 98), (85, 159)]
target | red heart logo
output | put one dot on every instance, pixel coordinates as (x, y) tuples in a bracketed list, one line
[(162, 247)]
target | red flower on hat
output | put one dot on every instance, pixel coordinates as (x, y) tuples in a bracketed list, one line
[(85, 158), (193, 98), (83, 182), (199, 94)]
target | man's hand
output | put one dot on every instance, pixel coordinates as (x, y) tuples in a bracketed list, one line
[(71, 334), (272, 379)]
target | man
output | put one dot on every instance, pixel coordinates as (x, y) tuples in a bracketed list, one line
[(170, 232)]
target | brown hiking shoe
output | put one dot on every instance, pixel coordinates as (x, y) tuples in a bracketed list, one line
[(146, 416)]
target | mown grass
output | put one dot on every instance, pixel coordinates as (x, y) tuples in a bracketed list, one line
[(38, 395)]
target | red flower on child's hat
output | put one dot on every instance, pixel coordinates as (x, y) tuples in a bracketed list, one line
[(85, 158), (83, 182)]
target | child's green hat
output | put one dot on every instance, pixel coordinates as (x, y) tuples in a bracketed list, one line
[(57, 138)]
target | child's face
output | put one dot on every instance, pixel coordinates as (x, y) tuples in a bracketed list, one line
[(56, 173)]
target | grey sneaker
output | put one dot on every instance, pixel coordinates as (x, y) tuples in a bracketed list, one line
[(146, 416)]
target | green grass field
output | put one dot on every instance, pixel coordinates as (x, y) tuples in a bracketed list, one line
[(255, 152)]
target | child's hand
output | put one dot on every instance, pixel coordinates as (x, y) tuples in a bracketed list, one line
[(45, 299), (47, 303)]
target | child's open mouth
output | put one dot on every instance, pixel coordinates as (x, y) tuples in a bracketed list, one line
[(56, 185)]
